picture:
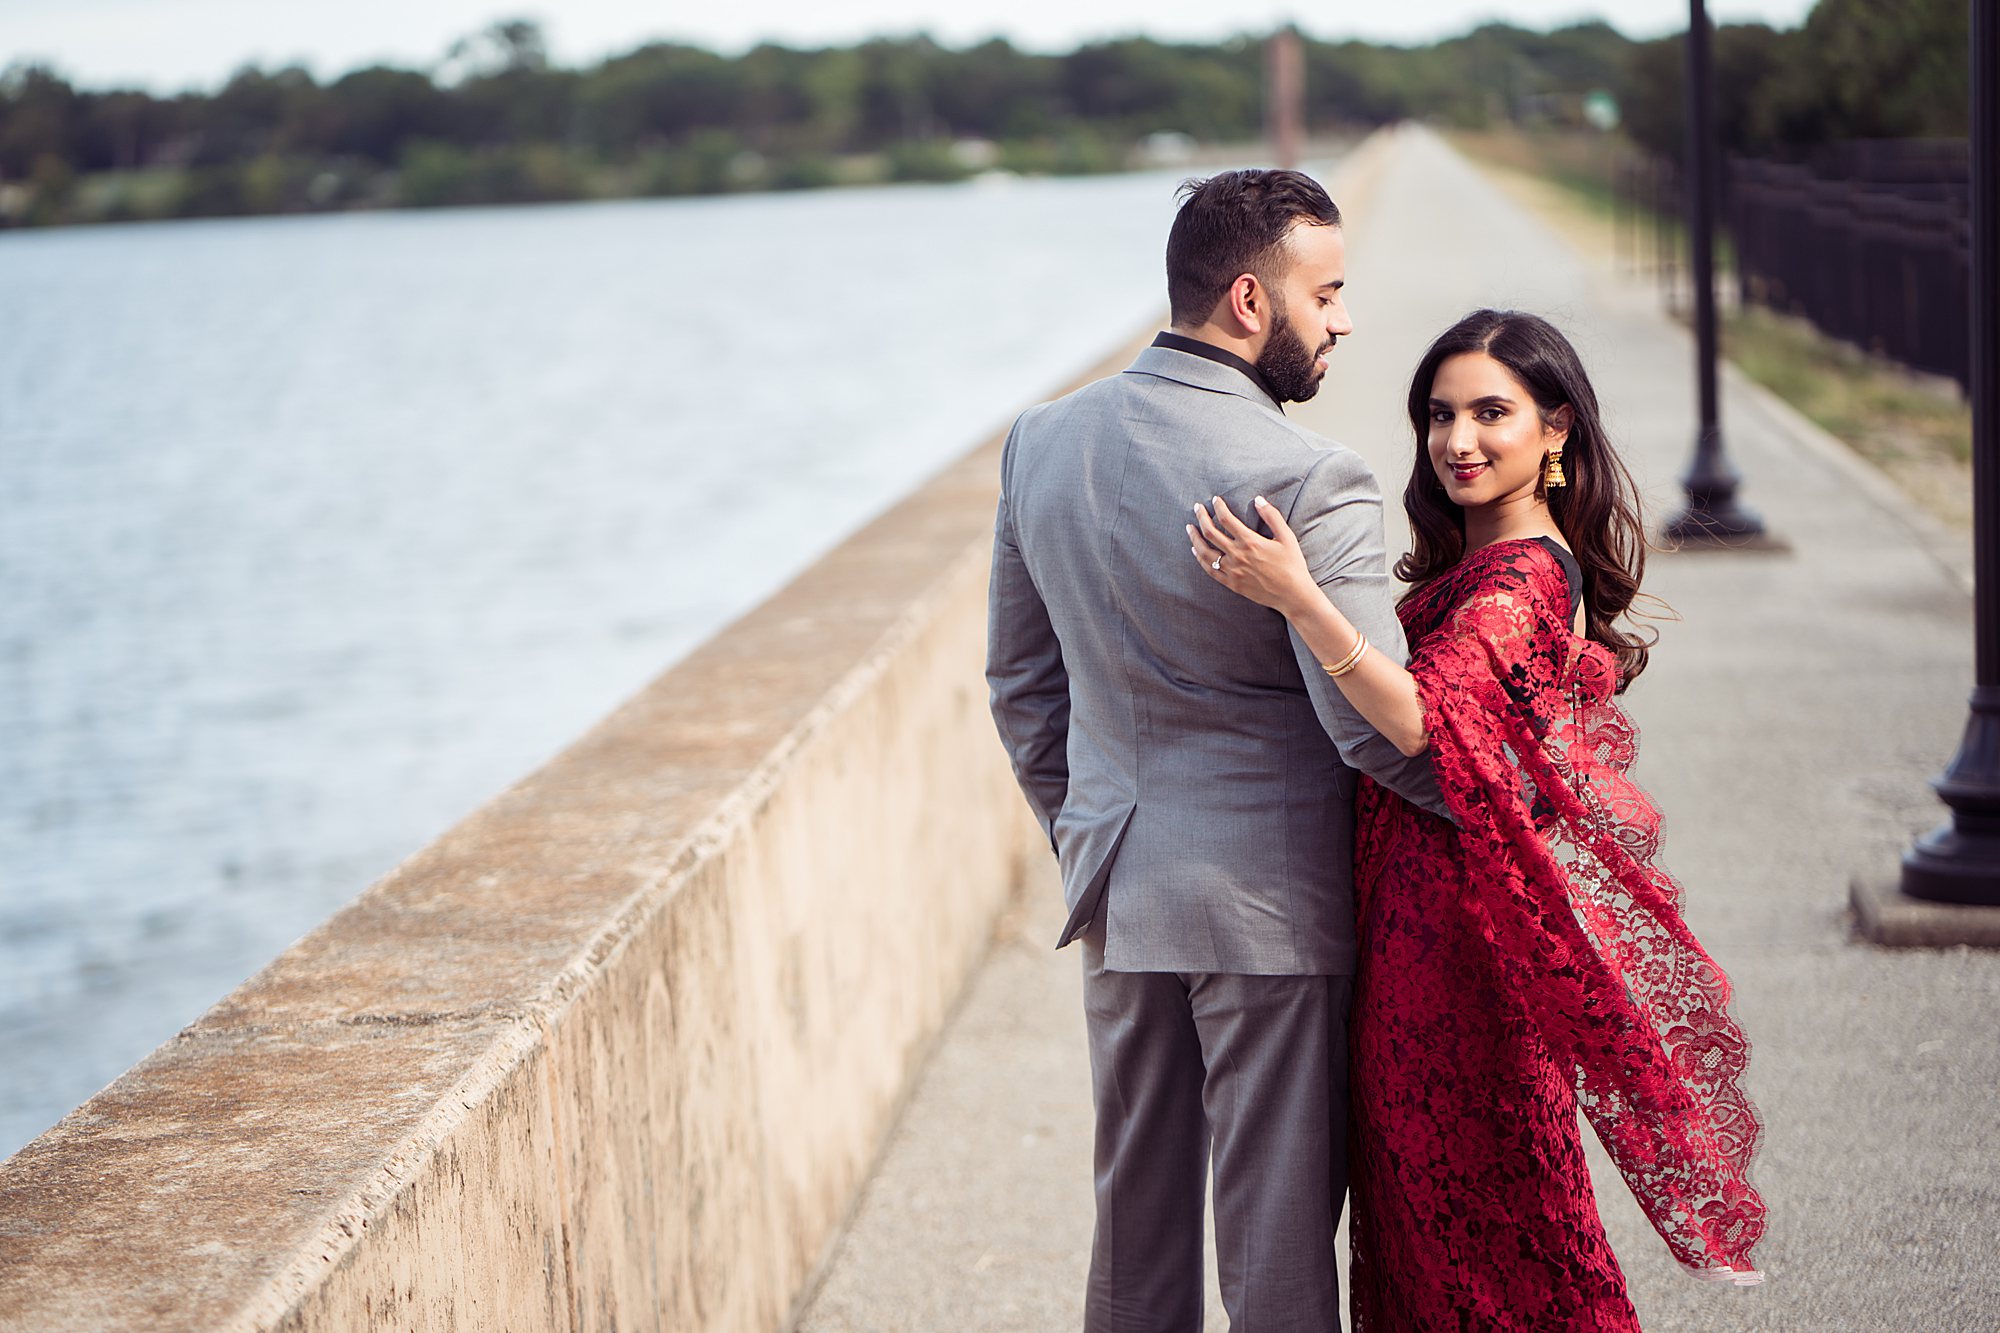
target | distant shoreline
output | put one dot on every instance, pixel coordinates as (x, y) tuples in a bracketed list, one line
[(858, 171), (494, 121)]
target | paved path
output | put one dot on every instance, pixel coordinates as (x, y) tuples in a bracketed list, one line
[(1793, 717)]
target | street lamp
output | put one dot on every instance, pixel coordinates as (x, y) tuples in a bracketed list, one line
[(1959, 862), (1712, 516)]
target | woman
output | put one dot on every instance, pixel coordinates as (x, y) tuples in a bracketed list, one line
[(1530, 959)]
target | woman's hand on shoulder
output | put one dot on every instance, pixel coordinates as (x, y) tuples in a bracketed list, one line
[(1270, 571)]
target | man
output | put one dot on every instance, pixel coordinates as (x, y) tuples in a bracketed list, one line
[(1194, 766)]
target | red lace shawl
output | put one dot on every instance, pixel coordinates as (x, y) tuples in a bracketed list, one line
[(1556, 846)]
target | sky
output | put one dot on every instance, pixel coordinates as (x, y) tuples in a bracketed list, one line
[(167, 45)]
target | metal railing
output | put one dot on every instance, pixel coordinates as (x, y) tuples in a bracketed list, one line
[(1870, 242)]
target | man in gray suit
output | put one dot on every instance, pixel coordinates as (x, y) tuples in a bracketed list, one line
[(1194, 766)]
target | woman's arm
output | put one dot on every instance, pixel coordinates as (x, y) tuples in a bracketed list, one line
[(1271, 571)]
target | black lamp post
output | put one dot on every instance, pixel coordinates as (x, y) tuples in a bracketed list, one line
[(1712, 516), (1959, 862)]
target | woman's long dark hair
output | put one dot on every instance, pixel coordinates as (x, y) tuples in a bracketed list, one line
[(1597, 512)]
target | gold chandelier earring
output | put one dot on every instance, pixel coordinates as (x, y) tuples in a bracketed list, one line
[(1552, 470)]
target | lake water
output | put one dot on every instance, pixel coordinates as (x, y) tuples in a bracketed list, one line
[(315, 533)]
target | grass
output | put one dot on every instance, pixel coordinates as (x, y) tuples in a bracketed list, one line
[(1917, 429)]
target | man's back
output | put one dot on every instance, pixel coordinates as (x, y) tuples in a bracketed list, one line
[(1197, 788)]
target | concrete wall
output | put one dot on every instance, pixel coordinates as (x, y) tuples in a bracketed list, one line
[(615, 1052)]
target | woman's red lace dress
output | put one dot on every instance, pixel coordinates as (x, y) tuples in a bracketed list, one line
[(1524, 964)]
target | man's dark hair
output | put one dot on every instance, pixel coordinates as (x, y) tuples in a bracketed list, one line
[(1232, 224)]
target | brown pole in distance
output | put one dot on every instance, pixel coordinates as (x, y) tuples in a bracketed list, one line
[(1285, 95)]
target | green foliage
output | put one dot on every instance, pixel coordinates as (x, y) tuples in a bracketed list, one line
[(712, 162), (994, 91), (123, 196), (374, 113), (1137, 86), (1750, 69), (1495, 73), (268, 183), (509, 47), (38, 112), (53, 183), (208, 192), (656, 94), (1080, 152), (1857, 69), (803, 173), (435, 175), (497, 122), (924, 160)]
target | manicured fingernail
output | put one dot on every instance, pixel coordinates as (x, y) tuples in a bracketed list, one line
[(1261, 504)]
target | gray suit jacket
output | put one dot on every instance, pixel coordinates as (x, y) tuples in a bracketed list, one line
[(1189, 760)]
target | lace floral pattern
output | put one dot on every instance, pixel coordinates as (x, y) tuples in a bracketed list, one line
[(1527, 964)]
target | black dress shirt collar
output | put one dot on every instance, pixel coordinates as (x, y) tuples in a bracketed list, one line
[(1180, 342)]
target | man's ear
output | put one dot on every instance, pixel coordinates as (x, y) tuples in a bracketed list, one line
[(1248, 304)]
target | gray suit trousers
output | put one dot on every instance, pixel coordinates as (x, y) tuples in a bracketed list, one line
[(1254, 1067)]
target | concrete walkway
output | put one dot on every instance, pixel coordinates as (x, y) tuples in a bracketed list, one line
[(1793, 717)]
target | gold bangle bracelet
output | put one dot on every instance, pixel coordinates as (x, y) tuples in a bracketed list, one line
[(1349, 662)]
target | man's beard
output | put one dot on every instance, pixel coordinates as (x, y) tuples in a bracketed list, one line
[(1287, 364)]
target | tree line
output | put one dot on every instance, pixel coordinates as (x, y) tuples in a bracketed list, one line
[(1855, 69), (496, 121)]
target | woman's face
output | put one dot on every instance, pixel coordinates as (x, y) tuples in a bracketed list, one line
[(1487, 440)]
